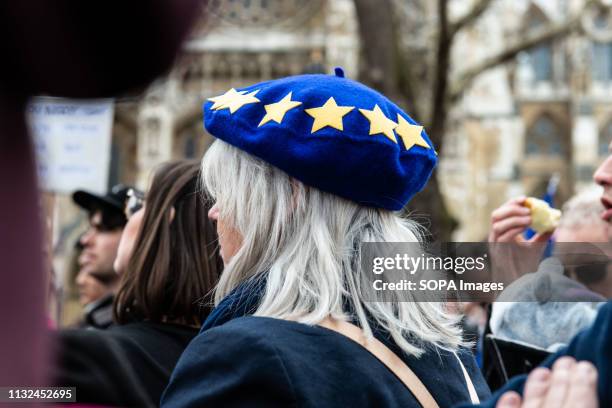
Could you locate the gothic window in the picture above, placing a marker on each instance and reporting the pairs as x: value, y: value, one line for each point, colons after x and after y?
x: 598, y: 26
x: 191, y: 73
x: 188, y: 142
x: 544, y: 138
x: 605, y: 137
x: 540, y: 57
x: 264, y: 13
x: 153, y: 139
x: 602, y: 61
x: 601, y: 21
x: 541, y: 62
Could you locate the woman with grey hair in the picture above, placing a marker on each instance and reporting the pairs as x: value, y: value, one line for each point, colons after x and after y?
x: 308, y: 169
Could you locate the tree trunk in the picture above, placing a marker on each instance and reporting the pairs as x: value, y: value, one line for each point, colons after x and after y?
x: 377, y: 67
x: 429, y: 210
x: 381, y: 68
x: 430, y: 200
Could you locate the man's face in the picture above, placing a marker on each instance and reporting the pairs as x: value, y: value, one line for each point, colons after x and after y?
x: 99, y: 246
x: 603, y: 177
x: 583, y: 233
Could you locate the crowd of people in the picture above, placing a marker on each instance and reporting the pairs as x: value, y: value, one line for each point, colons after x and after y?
x: 235, y: 281
x: 166, y: 261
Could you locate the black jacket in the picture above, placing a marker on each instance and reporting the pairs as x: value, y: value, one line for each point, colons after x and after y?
x: 593, y: 344
x: 265, y: 362
x: 98, y: 314
x: 127, y: 365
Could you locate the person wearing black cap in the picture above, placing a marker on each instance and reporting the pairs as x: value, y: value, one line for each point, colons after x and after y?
x: 96, y: 279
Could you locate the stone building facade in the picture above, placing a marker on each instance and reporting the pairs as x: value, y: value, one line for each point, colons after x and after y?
x: 237, y: 44
x: 549, y: 112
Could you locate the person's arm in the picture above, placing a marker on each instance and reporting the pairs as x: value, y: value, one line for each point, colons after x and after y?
x: 593, y: 345
x: 229, y: 368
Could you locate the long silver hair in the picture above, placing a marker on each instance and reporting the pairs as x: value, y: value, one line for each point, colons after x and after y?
x: 308, y: 244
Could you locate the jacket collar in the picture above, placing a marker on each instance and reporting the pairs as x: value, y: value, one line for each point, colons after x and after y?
x: 242, y: 301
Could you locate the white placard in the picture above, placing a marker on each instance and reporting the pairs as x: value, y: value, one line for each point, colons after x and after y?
x: 72, y: 141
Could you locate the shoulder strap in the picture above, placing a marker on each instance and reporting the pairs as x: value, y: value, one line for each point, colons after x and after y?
x: 468, y: 380
x: 387, y: 357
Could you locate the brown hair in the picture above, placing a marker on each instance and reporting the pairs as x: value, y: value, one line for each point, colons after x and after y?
x: 175, y: 262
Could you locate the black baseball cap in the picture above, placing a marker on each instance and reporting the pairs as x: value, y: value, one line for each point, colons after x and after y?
x: 111, y: 204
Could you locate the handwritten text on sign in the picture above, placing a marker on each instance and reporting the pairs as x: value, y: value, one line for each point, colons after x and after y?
x: 72, y: 141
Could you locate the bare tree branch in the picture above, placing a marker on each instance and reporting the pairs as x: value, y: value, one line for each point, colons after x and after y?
x: 480, y: 7
x: 440, y: 78
x: 543, y: 36
x: 406, y: 85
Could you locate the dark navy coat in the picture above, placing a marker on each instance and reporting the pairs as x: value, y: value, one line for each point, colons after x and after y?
x: 265, y: 362
x: 594, y: 345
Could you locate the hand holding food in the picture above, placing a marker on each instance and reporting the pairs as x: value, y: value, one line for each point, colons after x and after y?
x: 543, y: 217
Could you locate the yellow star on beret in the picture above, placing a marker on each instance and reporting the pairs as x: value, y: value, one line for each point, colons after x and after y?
x: 330, y: 114
x: 276, y: 111
x: 238, y: 100
x: 221, y: 100
x: 379, y: 123
x: 410, y: 134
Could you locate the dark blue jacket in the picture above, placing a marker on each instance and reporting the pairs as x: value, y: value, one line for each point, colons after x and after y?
x: 264, y: 362
x: 594, y: 345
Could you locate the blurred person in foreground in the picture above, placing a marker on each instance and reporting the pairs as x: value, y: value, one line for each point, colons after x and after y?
x: 569, y: 384
x: 306, y: 170
x: 548, y: 307
x: 168, y: 266
x: 96, y: 279
x: 593, y: 344
x: 50, y: 46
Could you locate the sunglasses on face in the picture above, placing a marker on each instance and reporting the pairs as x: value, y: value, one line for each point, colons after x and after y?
x: 109, y: 221
x: 133, y: 202
x: 590, y: 273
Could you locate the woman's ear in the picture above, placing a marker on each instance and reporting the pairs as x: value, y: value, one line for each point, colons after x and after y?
x: 172, y: 214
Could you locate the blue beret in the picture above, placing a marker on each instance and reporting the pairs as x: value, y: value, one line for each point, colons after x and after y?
x: 329, y: 132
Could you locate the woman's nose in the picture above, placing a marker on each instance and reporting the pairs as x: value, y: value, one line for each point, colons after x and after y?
x: 213, y: 213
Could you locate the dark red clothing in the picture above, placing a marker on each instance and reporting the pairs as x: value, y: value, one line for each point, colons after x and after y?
x: 68, y: 48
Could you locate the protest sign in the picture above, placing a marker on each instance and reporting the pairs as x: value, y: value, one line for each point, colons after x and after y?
x: 72, y: 142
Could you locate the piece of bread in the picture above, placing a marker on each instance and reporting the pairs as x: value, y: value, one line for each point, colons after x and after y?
x: 543, y: 217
